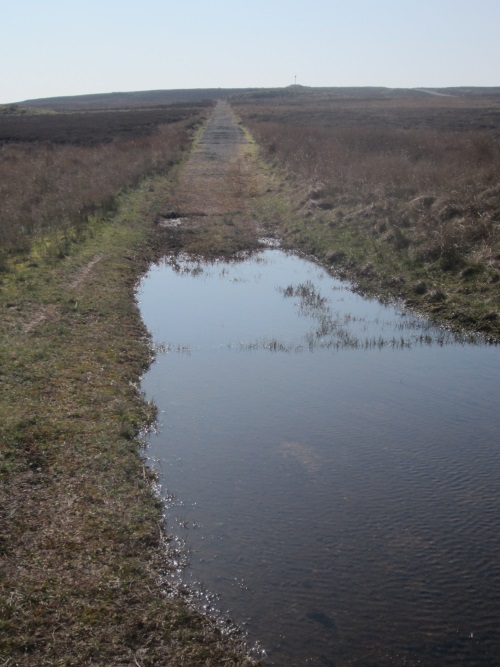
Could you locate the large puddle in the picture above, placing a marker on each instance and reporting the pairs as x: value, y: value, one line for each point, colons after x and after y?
x: 331, y: 463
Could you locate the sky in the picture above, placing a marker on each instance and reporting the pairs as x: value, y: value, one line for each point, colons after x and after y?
x: 64, y: 47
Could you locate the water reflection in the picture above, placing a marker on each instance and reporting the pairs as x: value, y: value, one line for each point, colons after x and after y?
x: 334, y: 463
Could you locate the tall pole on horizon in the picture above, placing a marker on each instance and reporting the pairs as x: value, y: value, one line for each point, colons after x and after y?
x: 295, y: 79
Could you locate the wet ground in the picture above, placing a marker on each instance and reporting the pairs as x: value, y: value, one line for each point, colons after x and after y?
x: 330, y: 463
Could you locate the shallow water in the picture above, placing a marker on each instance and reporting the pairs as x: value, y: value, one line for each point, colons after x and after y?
x: 331, y: 463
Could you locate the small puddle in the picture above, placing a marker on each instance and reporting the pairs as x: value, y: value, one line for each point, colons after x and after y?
x: 330, y: 463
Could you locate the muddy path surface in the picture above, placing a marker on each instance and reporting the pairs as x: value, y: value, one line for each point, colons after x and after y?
x: 215, y: 207
x: 213, y: 179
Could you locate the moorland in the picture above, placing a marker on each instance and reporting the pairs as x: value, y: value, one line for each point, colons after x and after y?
x: 57, y: 168
x: 86, y: 566
x: 397, y: 190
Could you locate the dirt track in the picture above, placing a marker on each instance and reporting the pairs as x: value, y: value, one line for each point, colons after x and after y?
x: 212, y: 182
x: 216, y: 208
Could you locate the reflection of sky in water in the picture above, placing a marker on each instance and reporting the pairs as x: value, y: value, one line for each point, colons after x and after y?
x: 247, y: 304
x: 353, y: 492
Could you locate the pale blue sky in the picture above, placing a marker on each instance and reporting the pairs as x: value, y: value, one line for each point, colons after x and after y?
x: 64, y: 47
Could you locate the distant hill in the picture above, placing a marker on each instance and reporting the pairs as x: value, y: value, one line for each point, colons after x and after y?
x: 296, y: 92
x: 159, y: 98
x: 468, y: 91
x: 142, y: 99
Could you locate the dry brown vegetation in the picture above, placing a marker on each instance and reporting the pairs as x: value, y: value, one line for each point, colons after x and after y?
x: 417, y: 174
x: 56, y: 170
x: 85, y: 564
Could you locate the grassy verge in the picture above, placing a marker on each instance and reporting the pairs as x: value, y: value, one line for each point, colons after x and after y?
x: 399, y: 195
x: 83, y: 553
